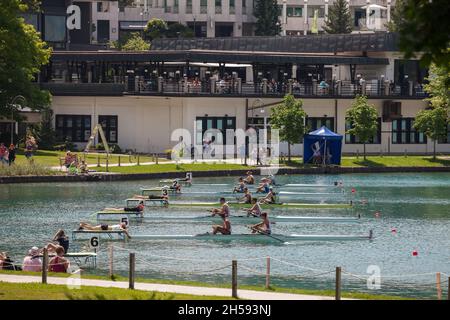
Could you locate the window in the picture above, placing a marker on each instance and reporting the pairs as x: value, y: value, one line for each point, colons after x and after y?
x: 221, y: 123
x: 352, y: 139
x: 109, y: 125
x: 447, y: 139
x: 218, y: 6
x: 294, y: 11
x: 55, y: 28
x: 403, y: 132
x: 175, y: 6
x: 203, y: 6
x: 244, y: 6
x: 232, y: 8
x: 316, y: 123
x: 188, y: 6
x: 76, y: 128
x: 320, y: 9
x: 99, y: 6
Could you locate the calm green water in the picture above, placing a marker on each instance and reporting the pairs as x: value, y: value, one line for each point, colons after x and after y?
x: 417, y: 205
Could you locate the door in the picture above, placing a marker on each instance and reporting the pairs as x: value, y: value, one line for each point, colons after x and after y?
x: 102, y: 31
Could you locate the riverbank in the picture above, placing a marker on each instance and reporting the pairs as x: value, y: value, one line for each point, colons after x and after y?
x: 170, y: 171
x: 164, y: 289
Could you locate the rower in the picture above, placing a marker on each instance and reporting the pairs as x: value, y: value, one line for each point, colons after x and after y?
x: 223, y: 211
x: 188, y: 178
x: 175, y: 186
x: 105, y: 227
x: 250, y: 179
x: 263, y: 226
x: 255, y: 210
x: 264, y: 186
x: 164, y: 196
x: 270, y: 198
x: 247, y: 198
x: 272, y: 180
x: 240, y: 187
x: 139, y: 208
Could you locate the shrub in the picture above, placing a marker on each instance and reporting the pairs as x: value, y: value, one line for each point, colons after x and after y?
x: 29, y: 169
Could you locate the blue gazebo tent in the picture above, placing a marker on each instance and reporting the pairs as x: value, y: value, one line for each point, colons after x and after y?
x: 322, y: 146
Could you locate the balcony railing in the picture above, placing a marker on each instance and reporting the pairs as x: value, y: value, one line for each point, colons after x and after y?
x: 235, y: 87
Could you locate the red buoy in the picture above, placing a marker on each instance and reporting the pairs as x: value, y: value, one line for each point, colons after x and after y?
x: 394, y: 230
x: 353, y: 190
x: 377, y: 214
x: 415, y: 253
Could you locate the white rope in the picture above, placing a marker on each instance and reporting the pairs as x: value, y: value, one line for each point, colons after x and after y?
x: 297, y: 265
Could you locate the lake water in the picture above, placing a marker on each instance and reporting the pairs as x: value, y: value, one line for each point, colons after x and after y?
x: 416, y: 205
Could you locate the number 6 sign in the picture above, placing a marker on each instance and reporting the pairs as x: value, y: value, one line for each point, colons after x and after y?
x: 94, y: 242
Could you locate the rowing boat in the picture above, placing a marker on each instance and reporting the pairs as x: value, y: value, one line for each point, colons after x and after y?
x: 264, y: 206
x: 156, y: 189
x: 169, y: 182
x: 234, y: 218
x: 254, y: 237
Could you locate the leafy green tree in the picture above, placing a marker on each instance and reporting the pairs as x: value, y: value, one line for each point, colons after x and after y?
x: 178, y: 30
x: 424, y: 27
x: 339, y: 18
x: 267, y: 13
x: 155, y: 28
x: 44, y: 132
x: 135, y: 43
x: 22, y: 55
x: 433, y: 123
x: 437, y: 86
x: 289, y: 117
x: 364, y: 120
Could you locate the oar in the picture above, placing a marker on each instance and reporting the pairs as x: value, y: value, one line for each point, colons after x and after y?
x: 266, y: 234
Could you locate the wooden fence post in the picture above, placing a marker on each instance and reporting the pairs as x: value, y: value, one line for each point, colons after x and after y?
x: 45, y: 266
x: 111, y: 261
x: 338, y: 283
x: 98, y: 160
x: 448, y: 289
x: 267, y: 272
x: 156, y: 158
x: 132, y: 269
x: 234, y: 279
x: 118, y: 162
x: 138, y: 161
x: 438, y: 285
x: 107, y: 164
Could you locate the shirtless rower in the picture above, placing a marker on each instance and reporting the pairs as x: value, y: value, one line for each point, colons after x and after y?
x: 246, y: 198
x: 255, y: 210
x: 264, y: 186
x: 270, y: 197
x: 240, y: 187
x: 139, y: 208
x: 176, y: 186
x: 105, y: 227
x: 263, y: 226
x: 223, y: 211
x: 250, y: 179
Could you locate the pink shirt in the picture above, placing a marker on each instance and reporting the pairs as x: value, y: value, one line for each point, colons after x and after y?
x: 34, y: 265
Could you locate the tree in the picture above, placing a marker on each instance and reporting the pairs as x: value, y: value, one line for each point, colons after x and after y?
x: 43, y: 131
x: 178, y: 30
x: 22, y: 55
x: 364, y: 120
x: 155, y: 29
x: 437, y: 87
x: 423, y: 26
x: 339, y: 19
x: 433, y: 123
x: 135, y: 43
x: 267, y: 13
x: 289, y: 117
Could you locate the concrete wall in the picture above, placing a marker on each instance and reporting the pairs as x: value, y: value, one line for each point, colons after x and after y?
x: 145, y: 123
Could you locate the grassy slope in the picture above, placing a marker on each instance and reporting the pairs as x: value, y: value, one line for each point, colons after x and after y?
x: 354, y: 295
x: 36, y: 291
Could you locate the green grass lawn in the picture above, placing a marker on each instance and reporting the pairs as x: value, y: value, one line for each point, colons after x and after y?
x: 386, y: 161
x: 51, y: 158
x: 353, y: 295
x: 37, y: 291
x: 176, y: 168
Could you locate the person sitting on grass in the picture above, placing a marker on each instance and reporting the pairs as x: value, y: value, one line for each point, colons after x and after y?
x: 59, y: 240
x: 6, y: 263
x: 83, y: 168
x: 58, y: 263
x: 105, y: 227
x: 32, y: 262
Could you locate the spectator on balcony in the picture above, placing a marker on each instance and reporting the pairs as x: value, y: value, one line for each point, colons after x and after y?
x: 323, y: 87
